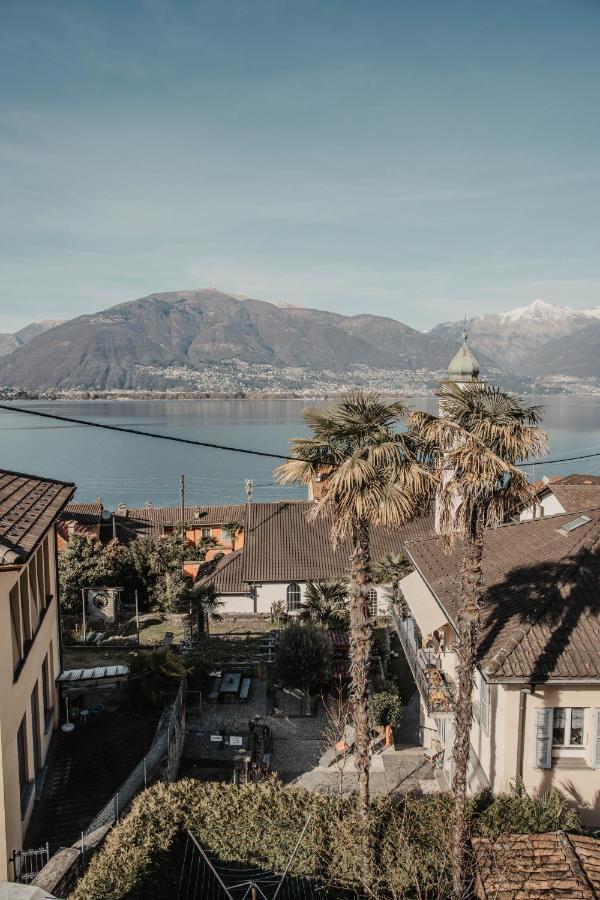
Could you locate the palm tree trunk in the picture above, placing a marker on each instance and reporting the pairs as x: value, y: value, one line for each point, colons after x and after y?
x: 468, y: 634
x: 360, y: 653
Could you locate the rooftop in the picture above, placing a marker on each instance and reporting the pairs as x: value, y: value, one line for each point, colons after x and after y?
x: 29, y: 505
x: 535, y: 866
x: 281, y: 545
x: 540, y: 606
x: 464, y: 366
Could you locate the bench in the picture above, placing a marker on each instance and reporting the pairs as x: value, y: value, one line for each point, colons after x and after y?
x: 245, y: 690
x: 214, y: 694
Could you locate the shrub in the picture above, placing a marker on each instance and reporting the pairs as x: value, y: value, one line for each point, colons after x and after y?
x: 386, y: 708
x: 303, y: 657
x: 258, y: 825
x: 518, y: 813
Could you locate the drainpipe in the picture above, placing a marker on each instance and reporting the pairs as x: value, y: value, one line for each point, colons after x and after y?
x: 521, y: 732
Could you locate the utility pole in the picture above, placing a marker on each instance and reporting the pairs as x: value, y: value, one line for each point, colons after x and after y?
x: 137, y: 617
x: 83, y: 612
x: 249, y: 489
x: 182, y: 497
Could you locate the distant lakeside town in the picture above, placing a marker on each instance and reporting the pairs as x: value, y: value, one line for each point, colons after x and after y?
x: 252, y: 382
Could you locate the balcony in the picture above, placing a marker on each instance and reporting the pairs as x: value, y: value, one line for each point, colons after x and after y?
x: 432, y: 681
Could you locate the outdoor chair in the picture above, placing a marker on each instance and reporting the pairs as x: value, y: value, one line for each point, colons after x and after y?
x: 168, y: 639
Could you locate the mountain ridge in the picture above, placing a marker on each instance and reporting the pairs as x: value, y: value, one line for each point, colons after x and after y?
x: 205, y: 338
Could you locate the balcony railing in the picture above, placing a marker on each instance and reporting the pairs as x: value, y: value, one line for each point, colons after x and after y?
x: 426, y: 667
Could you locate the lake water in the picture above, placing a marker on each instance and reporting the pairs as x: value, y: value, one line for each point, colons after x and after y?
x: 120, y: 467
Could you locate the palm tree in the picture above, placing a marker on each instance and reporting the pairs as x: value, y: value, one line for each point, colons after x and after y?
x: 324, y: 602
x: 374, y: 478
x: 474, y: 448
x: 391, y: 570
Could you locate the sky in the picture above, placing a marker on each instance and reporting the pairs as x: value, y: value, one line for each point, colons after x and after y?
x: 420, y: 160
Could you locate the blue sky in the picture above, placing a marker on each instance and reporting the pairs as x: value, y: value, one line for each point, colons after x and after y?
x: 418, y: 160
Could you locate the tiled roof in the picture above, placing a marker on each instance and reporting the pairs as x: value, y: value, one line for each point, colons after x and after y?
x: 146, y: 521
x: 28, y: 507
x: 538, y: 867
x: 540, y: 606
x: 225, y: 574
x: 574, y: 497
x: 82, y: 511
x: 282, y: 545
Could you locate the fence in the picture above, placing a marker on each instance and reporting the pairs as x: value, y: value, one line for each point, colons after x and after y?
x: 27, y: 863
x: 161, y: 761
x: 166, y: 750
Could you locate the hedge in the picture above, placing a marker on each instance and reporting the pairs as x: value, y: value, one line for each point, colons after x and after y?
x: 259, y: 825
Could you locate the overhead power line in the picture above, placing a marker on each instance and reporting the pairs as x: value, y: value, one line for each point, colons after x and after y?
x: 123, y: 430
x: 180, y: 440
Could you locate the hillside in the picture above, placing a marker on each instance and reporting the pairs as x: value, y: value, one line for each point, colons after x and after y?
x: 12, y: 341
x: 159, y: 340
x: 509, y: 338
x: 576, y: 356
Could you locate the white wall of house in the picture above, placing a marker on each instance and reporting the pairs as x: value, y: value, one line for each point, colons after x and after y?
x: 505, y: 741
x: 547, y: 505
x: 271, y: 592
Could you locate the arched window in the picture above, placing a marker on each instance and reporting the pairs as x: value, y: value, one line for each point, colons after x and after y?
x: 294, y: 597
x: 372, y: 602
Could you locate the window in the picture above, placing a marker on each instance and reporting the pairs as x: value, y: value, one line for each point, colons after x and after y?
x: 567, y: 726
x: 205, y: 532
x: 294, y: 597
x: 226, y: 535
x: 15, y: 625
x: 22, y: 760
x: 372, y: 602
x: 35, y: 729
x: 572, y: 526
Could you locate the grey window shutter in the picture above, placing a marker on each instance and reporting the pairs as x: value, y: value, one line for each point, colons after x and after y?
x: 543, y: 738
x: 484, y: 696
x: 596, y: 739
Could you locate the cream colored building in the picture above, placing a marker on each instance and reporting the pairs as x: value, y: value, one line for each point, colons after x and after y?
x: 537, y: 686
x: 29, y: 646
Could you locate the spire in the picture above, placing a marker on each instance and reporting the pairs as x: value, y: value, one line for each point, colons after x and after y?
x: 464, y: 366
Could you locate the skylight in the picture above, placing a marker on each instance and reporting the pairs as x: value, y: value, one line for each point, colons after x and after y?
x: 576, y: 523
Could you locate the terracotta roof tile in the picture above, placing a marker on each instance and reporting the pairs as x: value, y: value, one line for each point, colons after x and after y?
x: 28, y: 507
x: 281, y: 545
x: 534, y: 866
x: 540, y: 604
x: 575, y: 497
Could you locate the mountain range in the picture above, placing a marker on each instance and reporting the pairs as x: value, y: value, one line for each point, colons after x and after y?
x: 209, y: 340
x: 10, y: 341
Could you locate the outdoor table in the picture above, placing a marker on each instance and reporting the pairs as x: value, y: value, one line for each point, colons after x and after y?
x: 84, y: 716
x: 230, y: 686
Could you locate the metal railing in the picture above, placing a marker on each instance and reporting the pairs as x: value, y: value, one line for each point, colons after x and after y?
x: 421, y: 661
x: 27, y: 863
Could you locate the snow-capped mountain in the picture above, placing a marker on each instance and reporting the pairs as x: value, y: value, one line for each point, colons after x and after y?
x: 510, y: 338
x: 542, y: 311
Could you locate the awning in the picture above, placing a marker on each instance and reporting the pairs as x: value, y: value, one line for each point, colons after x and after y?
x: 100, y: 673
x: 423, y: 605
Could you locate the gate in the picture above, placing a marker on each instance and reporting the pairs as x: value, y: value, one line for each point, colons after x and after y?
x: 27, y: 863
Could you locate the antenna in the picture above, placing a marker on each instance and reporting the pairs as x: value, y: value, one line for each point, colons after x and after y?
x: 182, y: 497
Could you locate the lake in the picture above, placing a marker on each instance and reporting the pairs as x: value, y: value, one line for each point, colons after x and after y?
x: 124, y: 468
